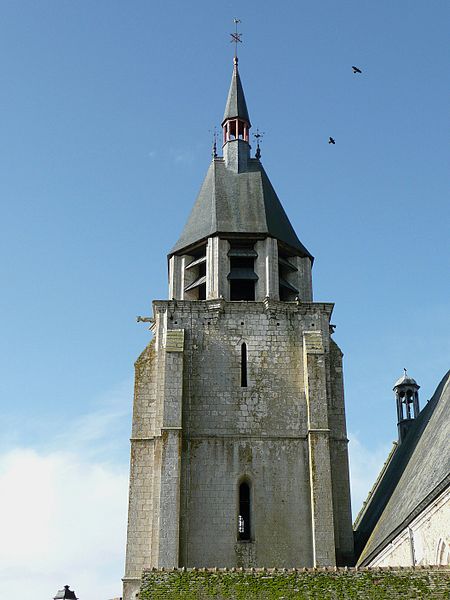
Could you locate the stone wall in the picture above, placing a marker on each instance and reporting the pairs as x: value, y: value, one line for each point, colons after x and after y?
x: 297, y: 584
x: 198, y: 433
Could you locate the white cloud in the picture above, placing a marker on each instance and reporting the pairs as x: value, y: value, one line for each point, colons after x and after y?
x: 63, y: 505
x: 365, y: 465
x: 62, y: 520
x: 102, y: 433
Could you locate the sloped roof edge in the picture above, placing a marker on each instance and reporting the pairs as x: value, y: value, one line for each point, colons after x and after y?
x: 435, y: 493
x: 408, y: 481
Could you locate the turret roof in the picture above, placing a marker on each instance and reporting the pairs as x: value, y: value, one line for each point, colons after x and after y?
x: 236, y: 106
x: 405, y: 380
x: 245, y: 203
x: 237, y: 203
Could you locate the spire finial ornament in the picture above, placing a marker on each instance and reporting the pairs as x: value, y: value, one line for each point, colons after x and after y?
x: 405, y: 371
x: 214, y: 145
x: 257, y: 136
x: 236, y: 39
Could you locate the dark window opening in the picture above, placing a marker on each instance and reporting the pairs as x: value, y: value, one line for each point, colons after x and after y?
x: 244, y: 365
x: 202, y: 269
x: 286, y: 295
x: 202, y: 291
x: 242, y: 276
x: 195, y: 273
x: 202, y: 288
x: 242, y: 262
x: 242, y: 289
x: 244, y: 512
x: 287, y: 274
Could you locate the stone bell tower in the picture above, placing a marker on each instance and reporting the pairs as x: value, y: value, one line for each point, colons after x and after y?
x: 239, y: 447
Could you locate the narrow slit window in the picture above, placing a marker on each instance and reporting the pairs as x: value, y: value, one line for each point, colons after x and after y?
x: 244, y: 512
x: 244, y: 365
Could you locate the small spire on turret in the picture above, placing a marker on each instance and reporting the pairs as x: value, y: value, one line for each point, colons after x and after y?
x: 258, y: 136
x: 214, y: 144
x: 236, y: 122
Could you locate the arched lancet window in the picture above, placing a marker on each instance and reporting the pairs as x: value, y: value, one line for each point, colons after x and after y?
x: 244, y: 511
x: 244, y: 365
x: 443, y: 553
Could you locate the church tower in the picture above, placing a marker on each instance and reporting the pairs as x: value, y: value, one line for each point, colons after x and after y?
x: 239, y: 446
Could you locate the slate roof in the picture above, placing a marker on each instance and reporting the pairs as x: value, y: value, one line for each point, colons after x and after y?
x: 236, y: 105
x: 405, y: 380
x: 418, y: 472
x: 231, y: 202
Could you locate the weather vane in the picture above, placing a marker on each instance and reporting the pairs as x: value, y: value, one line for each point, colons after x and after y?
x: 236, y: 37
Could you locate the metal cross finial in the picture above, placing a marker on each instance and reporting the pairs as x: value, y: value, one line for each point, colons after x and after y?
x: 236, y: 37
x: 214, y: 148
x: 404, y: 370
x: 214, y: 142
x: 257, y: 136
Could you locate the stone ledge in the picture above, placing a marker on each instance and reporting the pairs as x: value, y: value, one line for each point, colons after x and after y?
x: 402, y: 570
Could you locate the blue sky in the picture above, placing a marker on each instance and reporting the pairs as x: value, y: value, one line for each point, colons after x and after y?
x: 107, y: 109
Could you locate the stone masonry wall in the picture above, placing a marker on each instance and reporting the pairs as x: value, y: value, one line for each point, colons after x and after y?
x: 258, y: 432
x: 297, y: 584
x: 198, y: 433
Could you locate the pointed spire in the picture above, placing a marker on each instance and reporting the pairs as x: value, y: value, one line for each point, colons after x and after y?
x: 214, y: 144
x: 257, y: 136
x: 236, y: 107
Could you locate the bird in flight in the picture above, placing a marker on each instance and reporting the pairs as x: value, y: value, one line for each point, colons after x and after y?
x: 331, y: 140
x: 356, y: 70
